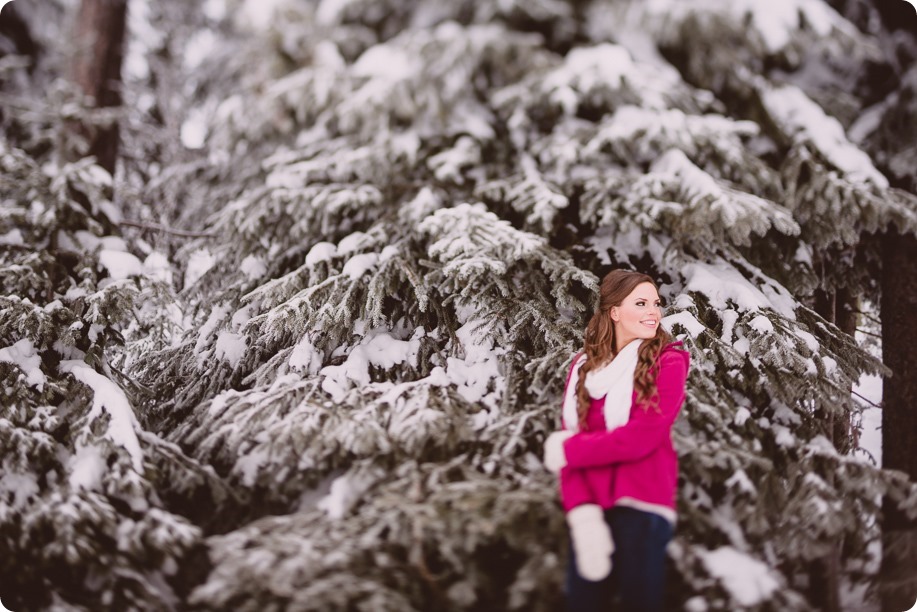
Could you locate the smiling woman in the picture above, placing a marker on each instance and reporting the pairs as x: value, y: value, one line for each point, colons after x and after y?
x: 618, y: 469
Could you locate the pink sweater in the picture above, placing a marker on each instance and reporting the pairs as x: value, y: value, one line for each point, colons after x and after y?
x: 636, y: 463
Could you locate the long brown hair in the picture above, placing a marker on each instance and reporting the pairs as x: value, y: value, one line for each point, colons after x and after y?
x: 599, y: 342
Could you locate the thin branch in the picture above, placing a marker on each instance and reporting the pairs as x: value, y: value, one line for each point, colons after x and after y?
x: 868, y: 315
x: 168, y: 230
x: 870, y: 402
x: 866, y: 333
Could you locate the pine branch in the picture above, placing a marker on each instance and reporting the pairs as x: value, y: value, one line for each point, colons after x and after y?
x: 168, y: 230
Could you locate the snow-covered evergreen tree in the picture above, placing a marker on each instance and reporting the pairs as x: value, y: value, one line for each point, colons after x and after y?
x: 327, y: 386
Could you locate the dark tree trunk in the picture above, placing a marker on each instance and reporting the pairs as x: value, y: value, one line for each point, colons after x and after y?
x: 899, y: 415
x: 15, y: 29
x: 100, y: 29
x: 839, y: 307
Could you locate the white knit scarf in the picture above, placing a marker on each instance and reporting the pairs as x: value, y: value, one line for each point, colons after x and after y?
x: 614, y: 381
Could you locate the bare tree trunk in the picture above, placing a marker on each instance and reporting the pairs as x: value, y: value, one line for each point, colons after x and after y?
x: 839, y: 307
x: 16, y: 30
x: 96, y: 69
x: 899, y: 415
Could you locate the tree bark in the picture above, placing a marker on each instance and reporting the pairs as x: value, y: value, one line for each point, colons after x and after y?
x: 96, y: 69
x: 899, y: 416
x: 14, y: 28
x: 838, y: 306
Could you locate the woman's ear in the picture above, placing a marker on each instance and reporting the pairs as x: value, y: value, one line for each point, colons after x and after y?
x: 614, y: 313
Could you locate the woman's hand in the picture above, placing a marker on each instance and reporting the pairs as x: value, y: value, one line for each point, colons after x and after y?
x: 554, y: 456
x: 591, y: 539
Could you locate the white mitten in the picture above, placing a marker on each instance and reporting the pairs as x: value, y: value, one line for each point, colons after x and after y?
x: 592, y: 543
x: 554, y: 457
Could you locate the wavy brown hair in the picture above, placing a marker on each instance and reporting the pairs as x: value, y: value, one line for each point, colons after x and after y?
x: 599, y: 341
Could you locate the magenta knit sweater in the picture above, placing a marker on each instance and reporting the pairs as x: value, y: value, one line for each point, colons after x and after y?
x: 636, y: 460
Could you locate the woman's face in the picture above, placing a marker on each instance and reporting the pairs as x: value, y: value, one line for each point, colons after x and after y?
x: 637, y: 316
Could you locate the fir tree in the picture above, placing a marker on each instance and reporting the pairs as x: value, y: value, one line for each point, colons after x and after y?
x: 327, y: 385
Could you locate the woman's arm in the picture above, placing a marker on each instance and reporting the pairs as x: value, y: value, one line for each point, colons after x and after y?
x: 574, y: 488
x: 645, y: 430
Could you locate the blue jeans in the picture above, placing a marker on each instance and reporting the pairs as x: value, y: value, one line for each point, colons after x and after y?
x: 637, y: 579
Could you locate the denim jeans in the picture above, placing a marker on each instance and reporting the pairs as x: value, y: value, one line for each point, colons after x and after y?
x: 637, y: 579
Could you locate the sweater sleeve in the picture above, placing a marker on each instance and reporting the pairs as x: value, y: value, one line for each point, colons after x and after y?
x: 645, y: 430
x: 574, y: 488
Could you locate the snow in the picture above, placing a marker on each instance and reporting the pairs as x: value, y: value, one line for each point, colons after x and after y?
x: 86, y: 468
x: 740, y: 480
x: 762, y: 325
x: 803, y: 254
x: 199, y: 263
x: 23, y: 355
x: 729, y: 318
x: 774, y: 21
x: 694, y: 181
x: 741, y: 415
x: 722, y: 283
x: 696, y: 604
x: 214, y: 9
x: 388, y: 252
x: 230, y: 347
x: 783, y: 436
x: 784, y: 414
x: 790, y: 107
x: 107, y: 396
x: 16, y: 487
x: 472, y: 376
x: 253, y: 267
x: 353, y: 242
x: 88, y: 240
x: 218, y: 404
x: 305, y: 357
x: 748, y: 580
x: 320, y: 251
x: 258, y: 15
x: 329, y: 11
x: 448, y: 165
x: 777, y: 22
x: 820, y: 445
x: 686, y: 319
x: 216, y: 316
x: 358, y: 265
x: 120, y: 265
x: 380, y: 349
x: 193, y: 132
x: 12, y: 237
x: 629, y: 123
x: 199, y: 46
x: 143, y: 37
x: 248, y: 465
x: 347, y: 490
x: 387, y: 62
x: 608, y: 65
x: 422, y: 205
x: 156, y: 265
x: 810, y: 340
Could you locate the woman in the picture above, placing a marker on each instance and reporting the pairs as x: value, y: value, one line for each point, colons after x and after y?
x: 618, y: 468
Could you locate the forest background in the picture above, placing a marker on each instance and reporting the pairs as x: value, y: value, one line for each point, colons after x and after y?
x: 289, y: 289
